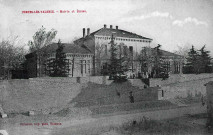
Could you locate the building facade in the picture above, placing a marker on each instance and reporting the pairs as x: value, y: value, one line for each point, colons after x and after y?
x: 79, y: 61
x: 90, y: 55
x: 173, y: 62
x: 127, y: 42
x: 99, y: 43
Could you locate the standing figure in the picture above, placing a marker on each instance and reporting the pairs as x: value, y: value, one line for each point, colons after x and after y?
x: 131, y: 98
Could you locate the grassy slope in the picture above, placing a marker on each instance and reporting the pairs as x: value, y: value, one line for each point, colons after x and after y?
x: 178, y: 126
x: 103, y: 99
x: 187, y: 125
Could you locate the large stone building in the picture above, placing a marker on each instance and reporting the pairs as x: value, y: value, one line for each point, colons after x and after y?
x: 173, y: 62
x: 98, y: 43
x: 91, y: 53
x: 79, y: 61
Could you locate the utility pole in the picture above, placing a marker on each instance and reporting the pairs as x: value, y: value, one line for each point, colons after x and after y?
x: 73, y: 66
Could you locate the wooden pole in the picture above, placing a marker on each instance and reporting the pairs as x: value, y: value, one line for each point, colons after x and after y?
x: 73, y: 66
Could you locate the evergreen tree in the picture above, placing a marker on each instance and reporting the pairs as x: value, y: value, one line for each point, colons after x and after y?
x: 114, y: 61
x: 145, y: 59
x: 124, y: 58
x: 158, y: 61
x: 205, y: 59
x: 193, y: 61
x: 124, y: 64
x: 60, y: 68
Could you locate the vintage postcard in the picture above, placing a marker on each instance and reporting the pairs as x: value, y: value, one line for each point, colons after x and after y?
x: 106, y: 67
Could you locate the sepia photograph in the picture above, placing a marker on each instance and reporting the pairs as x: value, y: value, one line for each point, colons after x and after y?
x: 106, y: 67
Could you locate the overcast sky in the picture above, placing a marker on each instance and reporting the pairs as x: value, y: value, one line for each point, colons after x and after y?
x: 168, y: 22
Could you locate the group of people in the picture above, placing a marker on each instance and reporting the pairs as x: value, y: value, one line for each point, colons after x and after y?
x: 142, y: 75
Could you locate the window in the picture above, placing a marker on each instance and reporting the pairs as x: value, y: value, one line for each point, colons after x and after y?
x: 167, y: 64
x: 82, y: 67
x: 177, y: 66
x: 125, y: 51
x: 106, y: 49
x: 131, y: 49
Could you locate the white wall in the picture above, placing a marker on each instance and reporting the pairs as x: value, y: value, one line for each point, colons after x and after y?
x: 137, y: 45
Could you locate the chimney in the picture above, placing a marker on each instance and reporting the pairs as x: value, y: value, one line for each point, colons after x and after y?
x: 110, y: 26
x: 88, y: 31
x: 116, y: 27
x: 105, y: 25
x: 83, y: 32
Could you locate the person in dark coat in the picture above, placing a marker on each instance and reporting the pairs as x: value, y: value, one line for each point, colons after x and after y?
x: 131, y: 98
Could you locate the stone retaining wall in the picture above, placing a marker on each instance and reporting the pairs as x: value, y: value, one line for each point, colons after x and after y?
x: 177, y: 78
x: 94, y: 79
x: 186, y: 89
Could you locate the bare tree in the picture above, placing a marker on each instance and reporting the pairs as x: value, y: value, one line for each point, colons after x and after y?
x: 183, y: 50
x: 11, y: 55
x: 41, y: 39
x: 146, y: 59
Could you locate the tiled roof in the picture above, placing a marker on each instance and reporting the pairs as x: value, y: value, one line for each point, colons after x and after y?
x: 68, y: 48
x: 117, y: 33
x: 89, y: 40
x: 166, y: 53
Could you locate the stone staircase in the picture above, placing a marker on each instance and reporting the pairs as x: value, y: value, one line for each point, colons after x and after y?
x: 177, y: 102
x: 137, y: 83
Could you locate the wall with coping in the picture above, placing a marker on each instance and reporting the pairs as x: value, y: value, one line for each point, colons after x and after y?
x: 186, y: 89
x: 182, y: 85
x: 177, y: 78
x: 94, y: 79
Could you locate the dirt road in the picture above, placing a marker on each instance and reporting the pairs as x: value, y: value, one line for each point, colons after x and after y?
x: 91, y: 125
x: 94, y: 124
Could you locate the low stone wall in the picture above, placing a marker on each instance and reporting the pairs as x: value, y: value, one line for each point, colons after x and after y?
x: 182, y: 85
x: 177, y: 78
x: 186, y: 89
x: 94, y: 79
x: 54, y: 79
